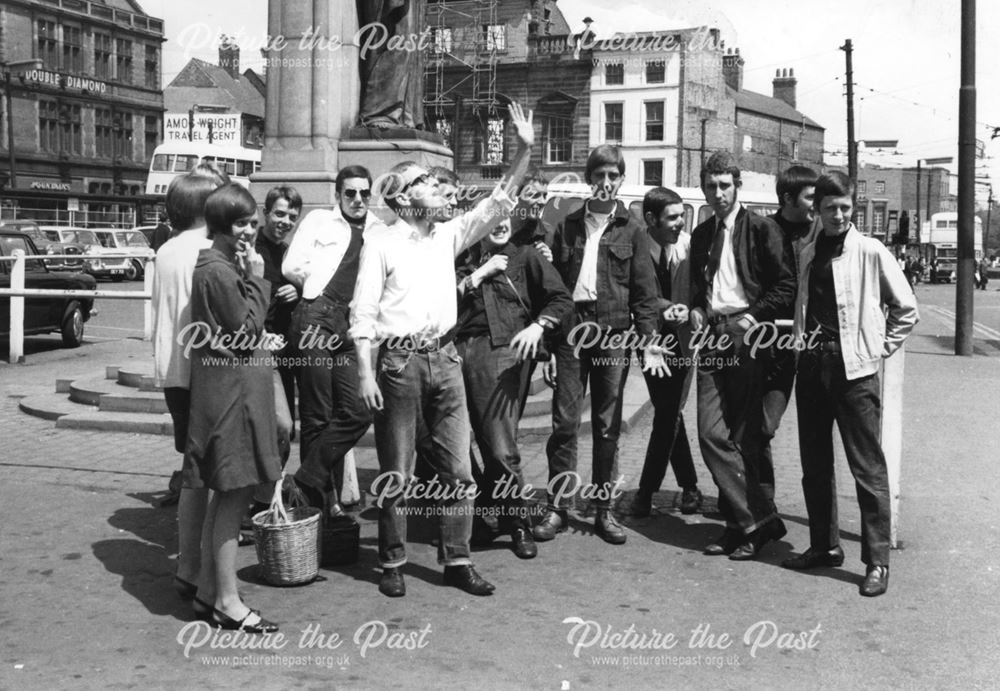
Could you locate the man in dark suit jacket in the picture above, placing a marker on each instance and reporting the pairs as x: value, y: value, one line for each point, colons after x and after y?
x: 602, y: 255
x: 742, y: 275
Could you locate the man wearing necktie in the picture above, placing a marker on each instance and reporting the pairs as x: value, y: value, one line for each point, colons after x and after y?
x: 741, y: 275
x: 663, y: 211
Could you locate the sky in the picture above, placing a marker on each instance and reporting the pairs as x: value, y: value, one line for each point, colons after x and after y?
x: 906, y: 57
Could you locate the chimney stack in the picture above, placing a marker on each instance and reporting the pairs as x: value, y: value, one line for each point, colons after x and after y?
x: 732, y: 69
x: 784, y: 86
x: 229, y: 57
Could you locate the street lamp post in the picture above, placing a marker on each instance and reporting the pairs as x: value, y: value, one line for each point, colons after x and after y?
x: 8, y: 68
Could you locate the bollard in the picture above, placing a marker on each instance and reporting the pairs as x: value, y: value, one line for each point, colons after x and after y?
x: 17, y: 309
x: 147, y: 308
x: 892, y: 432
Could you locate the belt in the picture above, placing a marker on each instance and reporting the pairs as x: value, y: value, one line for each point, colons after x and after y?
x: 418, y: 344
x: 723, y: 318
x: 829, y: 347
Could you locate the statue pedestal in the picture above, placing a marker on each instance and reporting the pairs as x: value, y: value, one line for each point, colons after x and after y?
x: 312, y: 171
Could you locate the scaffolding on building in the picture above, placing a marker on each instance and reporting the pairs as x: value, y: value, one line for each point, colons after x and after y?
x: 464, y: 33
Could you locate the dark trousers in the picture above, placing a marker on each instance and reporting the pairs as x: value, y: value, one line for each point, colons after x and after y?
x: 824, y: 395
x: 668, y: 442
x: 332, y: 416
x: 730, y: 414
x: 428, y: 387
x: 496, y: 386
x: 607, y: 371
x: 778, y: 383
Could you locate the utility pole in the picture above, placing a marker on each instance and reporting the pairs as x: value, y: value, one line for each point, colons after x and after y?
x: 966, y: 183
x: 852, y: 146
x: 919, y: 161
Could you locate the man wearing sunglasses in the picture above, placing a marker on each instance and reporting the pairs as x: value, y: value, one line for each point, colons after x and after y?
x: 405, y: 301
x: 322, y: 262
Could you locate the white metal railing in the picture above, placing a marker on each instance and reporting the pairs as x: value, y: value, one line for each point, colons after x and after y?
x: 17, y: 293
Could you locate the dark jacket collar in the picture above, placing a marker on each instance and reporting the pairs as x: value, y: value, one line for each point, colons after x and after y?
x: 619, y: 216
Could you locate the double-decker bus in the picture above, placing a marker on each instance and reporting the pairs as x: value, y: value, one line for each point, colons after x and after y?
x: 177, y: 158
x: 939, y: 245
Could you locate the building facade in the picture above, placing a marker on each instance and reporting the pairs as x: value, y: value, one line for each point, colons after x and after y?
x: 884, y: 194
x: 84, y: 102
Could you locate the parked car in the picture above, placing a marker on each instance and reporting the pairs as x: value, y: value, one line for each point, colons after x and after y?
x: 147, y: 232
x: 130, y: 242
x: 48, y: 243
x: 42, y: 315
x: 98, y: 261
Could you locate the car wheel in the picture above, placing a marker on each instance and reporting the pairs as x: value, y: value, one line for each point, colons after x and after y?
x: 134, y: 270
x: 72, y: 326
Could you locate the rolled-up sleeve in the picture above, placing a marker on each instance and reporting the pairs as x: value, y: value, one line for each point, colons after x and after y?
x: 476, y: 223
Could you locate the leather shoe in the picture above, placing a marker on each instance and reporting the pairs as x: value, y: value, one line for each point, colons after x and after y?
x: 814, y: 558
x: 726, y: 543
x: 392, y: 584
x: 691, y: 500
x: 553, y: 523
x: 772, y: 530
x: 876, y: 582
x: 523, y: 543
x: 465, y: 578
x: 642, y: 504
x: 608, y: 528
x: 251, y: 623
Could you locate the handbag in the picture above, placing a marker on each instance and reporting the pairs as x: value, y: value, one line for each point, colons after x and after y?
x: 542, y: 353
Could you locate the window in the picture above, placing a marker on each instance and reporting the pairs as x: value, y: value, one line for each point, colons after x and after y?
x: 859, y: 219
x: 102, y: 56
x: 48, y: 126
x: 152, y: 67
x: 862, y: 188
x: 652, y: 173
x: 244, y: 168
x: 747, y: 142
x: 613, y: 122
x: 152, y: 133
x: 102, y: 132
x: 656, y: 72
x: 495, y: 36
x: 880, y: 187
x: 121, y: 128
x: 558, y: 139
x: 445, y: 127
x: 493, y: 145
x: 614, y: 73
x: 123, y: 60
x: 795, y: 150
x: 48, y: 44
x: 441, y: 38
x: 654, y: 121
x: 69, y: 117
x: 72, y: 49
x: 878, y: 219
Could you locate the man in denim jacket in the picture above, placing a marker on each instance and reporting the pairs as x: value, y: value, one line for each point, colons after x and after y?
x: 602, y: 255
x: 854, y: 307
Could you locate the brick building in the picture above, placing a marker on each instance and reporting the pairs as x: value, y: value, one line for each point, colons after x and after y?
x: 885, y: 193
x: 84, y: 102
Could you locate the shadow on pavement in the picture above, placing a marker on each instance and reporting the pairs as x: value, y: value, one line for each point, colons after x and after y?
x: 146, y: 573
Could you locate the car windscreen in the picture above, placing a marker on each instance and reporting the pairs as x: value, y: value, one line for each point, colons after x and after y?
x: 9, y: 243
x: 131, y: 239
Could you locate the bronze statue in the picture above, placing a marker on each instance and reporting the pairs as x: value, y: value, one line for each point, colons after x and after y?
x: 391, y: 63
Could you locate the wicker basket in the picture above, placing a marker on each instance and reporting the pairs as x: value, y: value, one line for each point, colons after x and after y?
x: 287, y: 540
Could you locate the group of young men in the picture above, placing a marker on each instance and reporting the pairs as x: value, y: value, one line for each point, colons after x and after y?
x: 458, y: 308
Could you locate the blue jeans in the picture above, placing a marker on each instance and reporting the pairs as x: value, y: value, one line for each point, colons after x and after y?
x: 423, y: 386
x: 730, y: 421
x: 668, y: 442
x: 607, y: 371
x: 822, y: 395
x: 496, y: 386
x: 778, y: 383
x: 332, y: 415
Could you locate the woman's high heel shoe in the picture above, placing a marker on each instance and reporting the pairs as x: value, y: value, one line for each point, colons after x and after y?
x: 251, y: 623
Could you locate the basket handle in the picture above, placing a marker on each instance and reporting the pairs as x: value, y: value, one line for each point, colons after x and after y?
x: 277, y: 508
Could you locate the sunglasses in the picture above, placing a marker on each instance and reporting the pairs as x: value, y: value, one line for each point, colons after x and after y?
x: 365, y: 194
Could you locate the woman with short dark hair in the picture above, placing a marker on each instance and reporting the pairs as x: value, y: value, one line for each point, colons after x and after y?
x: 232, y: 440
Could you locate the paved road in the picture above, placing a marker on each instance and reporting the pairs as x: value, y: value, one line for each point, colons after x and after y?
x: 87, y: 558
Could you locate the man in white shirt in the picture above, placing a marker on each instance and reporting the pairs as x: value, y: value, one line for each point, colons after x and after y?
x: 405, y: 300
x: 742, y: 273
x: 322, y: 262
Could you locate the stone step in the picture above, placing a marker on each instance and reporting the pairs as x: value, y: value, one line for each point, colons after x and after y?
x: 89, y: 391
x: 137, y: 423
x: 133, y: 376
x: 50, y: 406
x: 134, y: 402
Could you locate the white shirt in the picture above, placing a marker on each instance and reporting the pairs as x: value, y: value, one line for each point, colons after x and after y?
x: 406, y: 282
x: 728, y: 296
x: 172, y: 277
x: 318, y: 247
x: 585, y: 289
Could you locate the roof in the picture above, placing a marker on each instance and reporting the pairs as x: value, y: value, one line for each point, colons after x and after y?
x: 770, y: 106
x: 558, y: 26
x: 201, y: 82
